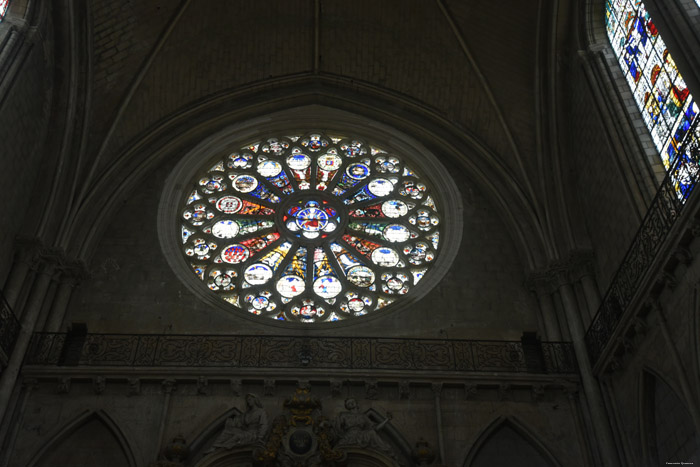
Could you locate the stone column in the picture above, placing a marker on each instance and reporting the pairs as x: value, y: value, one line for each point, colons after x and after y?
x: 168, y: 388
x: 16, y: 417
x: 25, y: 257
x: 28, y: 321
x: 69, y: 280
x: 599, y: 416
x: 437, y: 391
x: 583, y: 272
x: 540, y: 286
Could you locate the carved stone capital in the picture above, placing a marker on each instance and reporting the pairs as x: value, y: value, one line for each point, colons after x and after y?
x: 133, y: 387
x: 404, y: 390
x: 236, y: 387
x: 336, y: 387
x: 63, y: 386
x: 168, y: 386
x: 503, y: 391
x: 202, y: 386
x: 538, y: 391
x: 371, y: 390
x: 470, y: 391
x: 437, y: 389
x: 269, y: 387
x: 99, y: 384
x: 566, y: 271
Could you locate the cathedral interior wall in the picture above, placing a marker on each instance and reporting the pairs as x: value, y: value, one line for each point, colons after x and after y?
x: 133, y: 289
x: 24, y: 111
x: 55, y: 412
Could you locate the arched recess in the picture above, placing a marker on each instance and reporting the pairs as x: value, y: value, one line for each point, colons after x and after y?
x: 189, y: 126
x: 667, y: 429
x: 506, y: 441
x: 92, y: 438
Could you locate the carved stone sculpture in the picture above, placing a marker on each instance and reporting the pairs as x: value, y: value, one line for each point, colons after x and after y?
x: 354, y: 428
x: 244, y: 429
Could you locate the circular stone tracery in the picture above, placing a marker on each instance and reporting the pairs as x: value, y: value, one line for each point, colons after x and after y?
x: 310, y: 227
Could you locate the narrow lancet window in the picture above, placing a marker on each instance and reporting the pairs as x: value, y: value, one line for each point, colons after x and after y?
x: 669, y: 110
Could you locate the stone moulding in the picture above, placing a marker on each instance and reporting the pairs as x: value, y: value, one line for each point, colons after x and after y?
x: 340, y: 353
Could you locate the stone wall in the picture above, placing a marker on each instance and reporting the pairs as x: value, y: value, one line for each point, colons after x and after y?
x: 126, y: 419
x: 133, y: 289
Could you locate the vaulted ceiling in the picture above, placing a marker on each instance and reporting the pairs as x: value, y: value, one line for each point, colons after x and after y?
x: 484, y: 69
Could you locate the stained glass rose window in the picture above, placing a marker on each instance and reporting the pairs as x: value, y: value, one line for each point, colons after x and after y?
x: 310, y: 227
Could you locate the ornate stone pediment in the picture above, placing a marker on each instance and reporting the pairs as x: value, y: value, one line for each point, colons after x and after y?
x: 302, y: 437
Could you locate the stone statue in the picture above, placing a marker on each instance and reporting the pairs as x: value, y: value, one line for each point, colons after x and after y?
x: 356, y: 429
x: 245, y: 428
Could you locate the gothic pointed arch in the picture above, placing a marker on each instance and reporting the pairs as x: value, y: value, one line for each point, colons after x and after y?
x: 91, y: 435
x: 667, y: 429
x: 506, y: 441
x: 180, y: 131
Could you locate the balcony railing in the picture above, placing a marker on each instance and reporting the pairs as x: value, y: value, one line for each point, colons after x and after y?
x: 217, y: 351
x: 663, y: 213
x: 9, y: 328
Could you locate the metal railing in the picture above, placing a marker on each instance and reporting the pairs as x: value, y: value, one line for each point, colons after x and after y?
x: 663, y: 213
x: 212, y: 351
x: 9, y: 327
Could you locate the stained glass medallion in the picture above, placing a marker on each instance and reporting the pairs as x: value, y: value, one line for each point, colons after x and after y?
x: 310, y: 227
x: 669, y: 110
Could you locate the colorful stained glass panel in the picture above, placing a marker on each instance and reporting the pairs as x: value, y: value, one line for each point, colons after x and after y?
x: 310, y: 228
x: 667, y: 107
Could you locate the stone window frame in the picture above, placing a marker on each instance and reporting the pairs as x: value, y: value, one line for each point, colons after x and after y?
x: 623, y: 117
x: 304, y: 119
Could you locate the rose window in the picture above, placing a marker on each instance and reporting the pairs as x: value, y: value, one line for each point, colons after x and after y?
x: 310, y: 228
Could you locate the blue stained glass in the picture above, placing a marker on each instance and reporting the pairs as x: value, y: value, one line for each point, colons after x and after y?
x: 353, y: 175
x: 668, y: 109
x: 263, y: 193
x: 275, y: 174
x: 345, y: 259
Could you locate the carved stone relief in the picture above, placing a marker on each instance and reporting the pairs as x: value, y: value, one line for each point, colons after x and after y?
x: 300, y: 436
